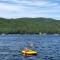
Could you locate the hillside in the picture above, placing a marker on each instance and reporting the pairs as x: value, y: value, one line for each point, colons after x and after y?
x: 29, y: 25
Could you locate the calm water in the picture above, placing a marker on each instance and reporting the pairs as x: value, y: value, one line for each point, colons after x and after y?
x: 48, y: 47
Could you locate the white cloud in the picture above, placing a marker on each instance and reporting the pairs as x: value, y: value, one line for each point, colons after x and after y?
x: 31, y: 8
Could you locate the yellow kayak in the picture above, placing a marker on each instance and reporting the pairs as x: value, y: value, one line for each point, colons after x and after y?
x: 29, y: 53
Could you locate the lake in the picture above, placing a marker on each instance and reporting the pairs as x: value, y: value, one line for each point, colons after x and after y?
x: 11, y: 46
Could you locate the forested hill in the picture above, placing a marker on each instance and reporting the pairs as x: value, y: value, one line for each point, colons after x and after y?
x: 29, y: 25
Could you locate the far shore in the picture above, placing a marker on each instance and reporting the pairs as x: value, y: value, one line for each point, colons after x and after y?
x: 31, y: 33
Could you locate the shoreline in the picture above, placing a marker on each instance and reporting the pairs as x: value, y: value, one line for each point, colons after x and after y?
x: 31, y: 33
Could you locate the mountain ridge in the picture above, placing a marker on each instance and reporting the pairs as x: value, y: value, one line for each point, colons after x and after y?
x: 29, y: 25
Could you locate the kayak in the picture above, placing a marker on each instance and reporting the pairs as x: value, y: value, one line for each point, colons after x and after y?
x: 29, y: 53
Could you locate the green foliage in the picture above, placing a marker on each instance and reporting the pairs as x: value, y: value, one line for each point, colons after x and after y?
x: 29, y: 25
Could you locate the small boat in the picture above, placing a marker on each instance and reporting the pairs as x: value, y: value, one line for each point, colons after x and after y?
x: 29, y: 53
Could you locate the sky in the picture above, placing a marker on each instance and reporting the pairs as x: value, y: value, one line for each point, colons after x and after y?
x: 30, y: 8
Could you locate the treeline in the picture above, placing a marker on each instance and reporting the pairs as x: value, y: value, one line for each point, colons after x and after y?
x: 29, y: 26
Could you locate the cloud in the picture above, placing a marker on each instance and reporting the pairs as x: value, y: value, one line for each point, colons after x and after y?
x: 29, y: 8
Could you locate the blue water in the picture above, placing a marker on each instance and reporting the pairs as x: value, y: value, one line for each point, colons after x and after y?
x: 48, y: 47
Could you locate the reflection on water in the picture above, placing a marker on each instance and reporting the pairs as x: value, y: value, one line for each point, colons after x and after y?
x: 48, y: 47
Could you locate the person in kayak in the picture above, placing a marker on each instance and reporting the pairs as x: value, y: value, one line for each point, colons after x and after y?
x: 26, y: 49
x: 28, y: 52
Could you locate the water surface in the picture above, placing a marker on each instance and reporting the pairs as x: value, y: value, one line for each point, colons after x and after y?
x: 11, y: 46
